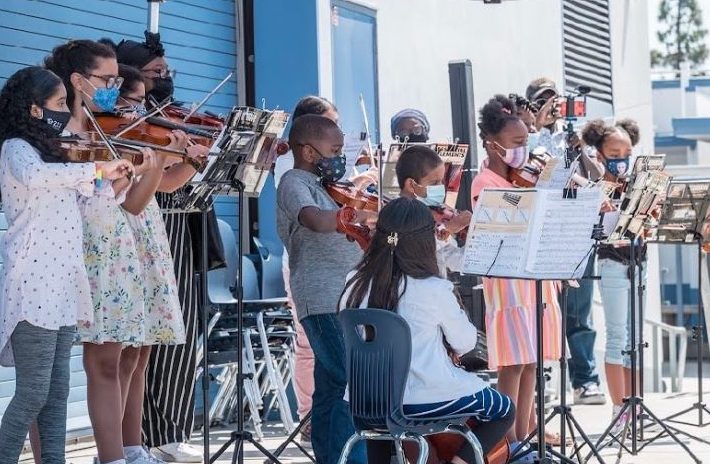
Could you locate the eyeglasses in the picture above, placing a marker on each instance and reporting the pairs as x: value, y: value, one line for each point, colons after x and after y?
x: 161, y: 72
x: 110, y: 81
x: 132, y: 100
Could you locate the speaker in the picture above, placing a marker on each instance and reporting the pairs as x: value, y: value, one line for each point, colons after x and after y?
x: 463, y: 119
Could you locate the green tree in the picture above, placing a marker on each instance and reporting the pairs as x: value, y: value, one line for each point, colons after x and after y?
x: 681, y: 34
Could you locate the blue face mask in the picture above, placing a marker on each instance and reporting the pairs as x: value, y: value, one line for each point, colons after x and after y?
x: 435, y: 195
x: 617, y: 167
x: 105, y: 98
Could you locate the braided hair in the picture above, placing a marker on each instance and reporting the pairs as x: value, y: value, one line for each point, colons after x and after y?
x: 76, y: 56
x: 28, y: 86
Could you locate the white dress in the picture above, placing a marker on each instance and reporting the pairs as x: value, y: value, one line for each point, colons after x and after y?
x: 163, y: 314
x: 43, y: 279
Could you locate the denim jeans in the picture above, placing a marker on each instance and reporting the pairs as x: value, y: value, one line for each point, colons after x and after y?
x: 614, y: 287
x: 331, y: 422
x: 580, y: 333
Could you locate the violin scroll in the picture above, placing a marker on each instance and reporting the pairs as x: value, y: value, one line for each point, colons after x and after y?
x: 354, y: 232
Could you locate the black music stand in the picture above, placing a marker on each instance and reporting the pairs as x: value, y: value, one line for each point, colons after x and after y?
x: 636, y: 216
x: 482, y: 257
x: 681, y: 222
x: 246, y: 151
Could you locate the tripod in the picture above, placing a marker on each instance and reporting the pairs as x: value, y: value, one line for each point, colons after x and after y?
x: 635, y: 352
x: 567, y: 418
x: 239, y: 436
x: 699, y: 336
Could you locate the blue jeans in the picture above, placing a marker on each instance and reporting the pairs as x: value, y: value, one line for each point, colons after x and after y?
x: 331, y: 422
x: 580, y: 333
x: 614, y: 287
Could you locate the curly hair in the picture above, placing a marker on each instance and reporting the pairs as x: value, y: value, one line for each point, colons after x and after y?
x: 28, y: 86
x: 76, y: 56
x: 595, y: 132
x: 496, y: 114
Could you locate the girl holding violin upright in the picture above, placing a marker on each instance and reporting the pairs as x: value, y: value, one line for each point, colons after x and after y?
x: 510, y: 303
x: 90, y: 72
x: 41, y: 188
x: 420, y: 174
x: 169, y: 406
x: 613, y: 144
x: 399, y: 272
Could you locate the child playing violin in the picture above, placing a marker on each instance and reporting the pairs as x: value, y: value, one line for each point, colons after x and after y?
x: 399, y: 272
x: 319, y: 259
x: 510, y: 303
x: 420, y: 174
x: 40, y: 192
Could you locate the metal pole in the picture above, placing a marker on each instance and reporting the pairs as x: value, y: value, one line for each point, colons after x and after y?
x: 153, y: 15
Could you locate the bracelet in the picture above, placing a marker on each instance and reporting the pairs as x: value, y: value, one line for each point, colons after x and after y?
x: 99, y: 177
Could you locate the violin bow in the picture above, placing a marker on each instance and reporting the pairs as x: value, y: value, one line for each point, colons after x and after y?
x: 194, y: 108
x: 139, y: 121
x: 369, y: 152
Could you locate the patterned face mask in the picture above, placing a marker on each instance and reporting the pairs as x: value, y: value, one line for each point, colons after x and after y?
x: 331, y: 169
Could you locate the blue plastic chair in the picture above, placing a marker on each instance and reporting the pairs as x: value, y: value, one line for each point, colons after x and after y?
x: 377, y: 369
x: 272, y: 282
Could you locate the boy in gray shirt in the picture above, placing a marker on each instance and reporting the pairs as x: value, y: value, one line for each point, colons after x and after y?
x: 319, y: 260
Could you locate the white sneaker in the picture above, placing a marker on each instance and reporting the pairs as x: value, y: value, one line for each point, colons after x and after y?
x: 145, y: 458
x: 589, y: 394
x: 621, y: 422
x: 180, y: 452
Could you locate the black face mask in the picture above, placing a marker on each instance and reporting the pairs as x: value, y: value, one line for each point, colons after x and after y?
x: 57, y: 120
x: 414, y: 138
x: 162, y: 88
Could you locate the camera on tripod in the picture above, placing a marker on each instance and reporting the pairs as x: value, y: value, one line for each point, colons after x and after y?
x: 574, y: 104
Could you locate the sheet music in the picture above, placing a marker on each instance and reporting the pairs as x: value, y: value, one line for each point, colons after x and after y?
x: 499, y: 234
x: 555, y: 175
x: 531, y: 233
x: 564, y: 235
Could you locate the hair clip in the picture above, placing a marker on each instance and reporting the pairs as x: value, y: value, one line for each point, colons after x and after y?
x: 392, y: 239
x: 505, y: 110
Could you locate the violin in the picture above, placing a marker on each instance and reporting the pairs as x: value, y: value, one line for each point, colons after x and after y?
x: 203, y: 120
x: 86, y: 151
x: 528, y: 175
x: 152, y: 130
x: 348, y: 195
x: 95, y: 149
x: 442, y: 214
x: 444, y: 446
x: 352, y: 200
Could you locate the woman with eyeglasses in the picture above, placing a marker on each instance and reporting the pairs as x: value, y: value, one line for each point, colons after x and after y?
x: 90, y: 72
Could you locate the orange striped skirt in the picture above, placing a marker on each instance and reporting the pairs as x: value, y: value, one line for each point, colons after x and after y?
x: 510, y: 322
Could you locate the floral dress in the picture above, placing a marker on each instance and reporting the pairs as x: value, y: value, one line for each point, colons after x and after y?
x: 163, y: 315
x: 114, y: 269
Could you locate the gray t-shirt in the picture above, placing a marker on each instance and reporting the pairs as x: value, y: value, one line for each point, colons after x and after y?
x: 318, y: 262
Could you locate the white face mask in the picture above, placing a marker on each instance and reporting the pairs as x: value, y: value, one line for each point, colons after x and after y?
x: 514, y: 157
x: 435, y: 195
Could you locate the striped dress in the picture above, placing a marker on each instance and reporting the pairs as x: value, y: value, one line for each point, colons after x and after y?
x: 511, y: 307
x: 169, y: 404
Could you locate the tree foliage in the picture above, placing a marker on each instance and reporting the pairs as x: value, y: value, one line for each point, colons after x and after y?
x: 681, y: 33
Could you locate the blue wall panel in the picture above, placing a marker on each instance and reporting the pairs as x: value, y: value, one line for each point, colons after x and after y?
x: 286, y: 70
x: 200, y: 39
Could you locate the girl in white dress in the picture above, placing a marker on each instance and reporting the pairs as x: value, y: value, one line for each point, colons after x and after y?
x: 44, y: 286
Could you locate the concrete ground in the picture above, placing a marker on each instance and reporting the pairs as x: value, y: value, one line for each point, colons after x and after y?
x: 594, y: 420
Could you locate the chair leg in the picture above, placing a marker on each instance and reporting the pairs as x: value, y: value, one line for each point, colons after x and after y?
x: 423, y: 449
x: 399, y: 450
x: 354, y: 438
x: 472, y: 440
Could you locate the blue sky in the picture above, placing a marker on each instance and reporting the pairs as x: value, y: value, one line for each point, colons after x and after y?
x: 653, y: 22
